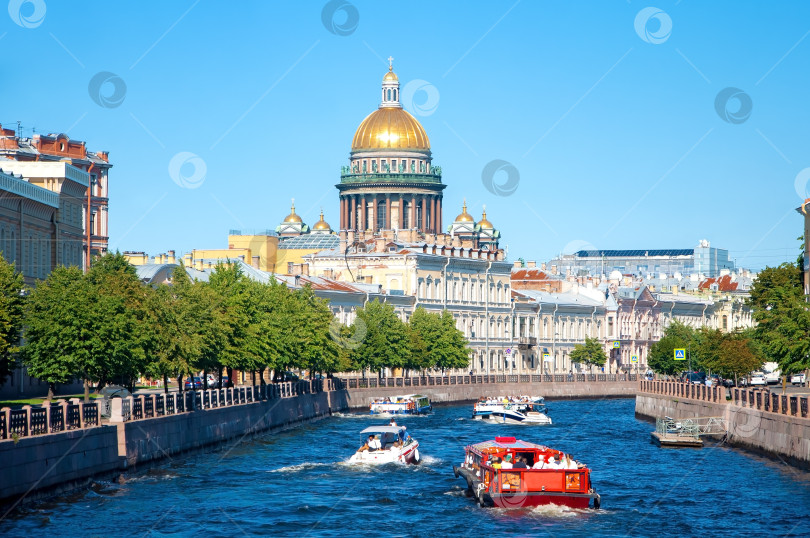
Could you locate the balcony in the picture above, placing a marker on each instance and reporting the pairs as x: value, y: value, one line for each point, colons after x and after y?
x: 526, y: 342
x: 391, y: 178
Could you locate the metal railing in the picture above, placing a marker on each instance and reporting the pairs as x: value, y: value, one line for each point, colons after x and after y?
x: 761, y: 399
x: 430, y: 381
x: 62, y: 416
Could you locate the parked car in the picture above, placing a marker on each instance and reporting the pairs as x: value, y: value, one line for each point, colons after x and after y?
x: 696, y: 378
x: 223, y: 382
x: 290, y: 376
x: 212, y: 381
x: 757, y: 379
x: 193, y: 383
x: 798, y: 379
x: 772, y: 378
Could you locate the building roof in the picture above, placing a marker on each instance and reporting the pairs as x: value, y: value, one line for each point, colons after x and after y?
x: 310, y: 242
x: 634, y: 253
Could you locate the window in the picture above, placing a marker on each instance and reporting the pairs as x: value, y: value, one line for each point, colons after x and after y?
x: 406, y: 215
x: 380, y: 216
x: 725, y: 323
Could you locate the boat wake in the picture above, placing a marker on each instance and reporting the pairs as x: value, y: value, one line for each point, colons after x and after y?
x: 299, y: 467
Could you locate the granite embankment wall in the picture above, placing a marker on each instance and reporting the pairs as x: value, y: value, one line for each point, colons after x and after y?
x: 36, y: 465
x: 779, y: 431
x: 359, y: 398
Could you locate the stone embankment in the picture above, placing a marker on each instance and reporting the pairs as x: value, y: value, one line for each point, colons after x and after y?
x: 773, y: 424
x: 65, y: 445
x: 361, y: 392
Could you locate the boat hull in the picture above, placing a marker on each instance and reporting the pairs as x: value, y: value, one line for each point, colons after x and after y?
x: 506, y: 417
x: 408, y: 454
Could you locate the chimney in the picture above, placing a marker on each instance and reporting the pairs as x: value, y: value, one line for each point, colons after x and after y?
x: 379, y: 244
x: 516, y: 264
x: 553, y: 269
x: 543, y: 266
x: 305, y: 269
x: 343, y: 237
x: 255, y: 262
x: 531, y: 264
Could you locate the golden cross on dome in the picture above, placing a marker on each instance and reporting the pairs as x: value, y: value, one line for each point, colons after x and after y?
x: 390, y: 63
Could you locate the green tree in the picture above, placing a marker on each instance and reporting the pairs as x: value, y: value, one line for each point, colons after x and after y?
x: 737, y: 356
x: 661, y: 356
x: 451, y: 350
x: 116, y: 313
x: 12, y: 312
x: 425, y: 330
x: 783, y: 320
x: 590, y: 353
x: 386, y: 341
x: 57, y: 327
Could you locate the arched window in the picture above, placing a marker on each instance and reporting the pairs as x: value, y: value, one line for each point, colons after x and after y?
x: 389, y: 94
x: 395, y: 95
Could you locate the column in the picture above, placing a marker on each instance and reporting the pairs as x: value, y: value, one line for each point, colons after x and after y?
x: 353, y: 212
x: 439, y: 214
x: 401, y: 212
x: 424, y: 214
x: 433, y: 214
x: 387, y: 211
x: 363, y: 225
x: 374, y: 224
x: 412, y: 221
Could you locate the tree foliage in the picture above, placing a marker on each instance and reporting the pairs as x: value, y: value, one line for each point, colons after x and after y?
x: 590, y: 353
x: 12, y: 304
x: 782, y: 316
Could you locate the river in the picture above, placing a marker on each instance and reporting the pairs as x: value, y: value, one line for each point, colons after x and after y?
x: 297, y: 483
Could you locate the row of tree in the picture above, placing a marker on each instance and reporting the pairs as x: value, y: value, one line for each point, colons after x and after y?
x: 106, y: 326
x: 729, y: 355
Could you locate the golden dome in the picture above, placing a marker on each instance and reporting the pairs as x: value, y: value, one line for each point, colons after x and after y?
x: 390, y: 128
x: 292, y: 217
x: 390, y: 76
x: 465, y: 217
x: 321, y: 224
x: 484, y: 223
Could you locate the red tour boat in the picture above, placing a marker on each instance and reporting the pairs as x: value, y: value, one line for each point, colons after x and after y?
x: 549, y: 476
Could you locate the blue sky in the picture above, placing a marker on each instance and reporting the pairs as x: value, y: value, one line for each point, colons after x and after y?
x: 615, y: 132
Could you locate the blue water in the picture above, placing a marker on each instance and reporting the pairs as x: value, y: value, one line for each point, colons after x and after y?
x: 297, y: 483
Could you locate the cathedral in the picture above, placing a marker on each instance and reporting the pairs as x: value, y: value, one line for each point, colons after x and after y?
x: 390, y: 189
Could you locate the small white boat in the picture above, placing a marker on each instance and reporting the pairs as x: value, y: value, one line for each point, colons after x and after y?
x: 396, y: 446
x: 410, y: 404
x: 525, y: 410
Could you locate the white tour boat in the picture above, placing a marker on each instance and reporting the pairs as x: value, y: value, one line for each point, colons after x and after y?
x: 395, y: 445
x: 523, y: 410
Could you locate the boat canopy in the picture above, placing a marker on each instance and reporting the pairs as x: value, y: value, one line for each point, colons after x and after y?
x: 507, y: 442
x: 383, y: 429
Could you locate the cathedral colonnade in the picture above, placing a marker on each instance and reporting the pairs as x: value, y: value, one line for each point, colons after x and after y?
x: 388, y: 211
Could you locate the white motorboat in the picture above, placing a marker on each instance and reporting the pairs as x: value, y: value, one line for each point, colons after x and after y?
x: 524, y: 410
x: 395, y: 445
x: 410, y: 404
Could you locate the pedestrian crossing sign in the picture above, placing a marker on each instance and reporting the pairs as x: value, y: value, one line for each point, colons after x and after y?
x: 680, y: 354
x: 616, y: 344
x: 546, y: 357
x: 634, y: 359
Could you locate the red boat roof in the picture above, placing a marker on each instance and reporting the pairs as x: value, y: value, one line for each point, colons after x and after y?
x: 507, y: 442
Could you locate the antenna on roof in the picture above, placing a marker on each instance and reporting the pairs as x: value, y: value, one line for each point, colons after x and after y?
x: 19, y: 129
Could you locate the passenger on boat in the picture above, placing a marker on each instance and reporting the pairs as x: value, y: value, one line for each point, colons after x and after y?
x: 496, y: 462
x: 393, y: 422
x: 371, y: 445
x: 520, y: 463
x: 507, y: 462
x: 541, y: 463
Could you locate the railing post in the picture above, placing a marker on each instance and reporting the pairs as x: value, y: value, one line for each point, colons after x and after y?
x: 77, y: 401
x: 116, y: 408
x: 47, y: 406
x: 27, y: 409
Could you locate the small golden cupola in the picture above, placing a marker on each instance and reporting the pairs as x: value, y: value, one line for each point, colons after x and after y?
x: 484, y: 224
x: 292, y: 224
x: 321, y: 227
x: 464, y: 216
